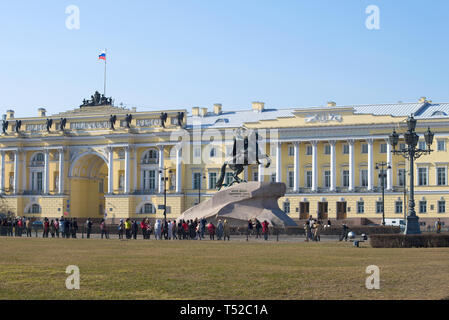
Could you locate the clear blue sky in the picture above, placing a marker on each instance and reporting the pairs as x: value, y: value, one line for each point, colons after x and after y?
x: 178, y: 54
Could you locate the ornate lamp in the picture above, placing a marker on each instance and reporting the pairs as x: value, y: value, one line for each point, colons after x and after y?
x: 428, y: 136
x: 394, y: 139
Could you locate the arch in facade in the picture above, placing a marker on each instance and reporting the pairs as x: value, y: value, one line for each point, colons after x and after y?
x: 84, y: 154
x: 32, y: 207
x: 148, y: 155
x: 141, y: 207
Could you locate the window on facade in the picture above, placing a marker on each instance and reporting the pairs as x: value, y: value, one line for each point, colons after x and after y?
x: 121, y: 181
x: 327, y: 179
x: 441, y: 206
x: 422, y: 176
x: 38, y: 160
x: 441, y: 176
x: 273, y: 177
x: 212, y: 180
x: 422, y: 145
x: 398, y: 207
x: 364, y: 148
x: 364, y: 178
x: 360, y: 207
x: 441, y: 145
x: 345, y: 178
x: 150, y: 157
x: 149, y: 180
x: 423, y: 206
x: 36, y: 181
x: 383, y: 148
x: 101, y: 186
x: 402, y: 146
x: 308, y: 179
x: 346, y: 149
x: 327, y: 149
x: 291, y: 151
x: 401, y: 177
x: 56, y: 182
x: 35, y: 208
x: 229, y: 177
x: 308, y: 150
x: 378, y: 206
x: 197, y: 180
x: 255, y: 176
x: 212, y: 153
x: 291, y: 179
x: 147, y: 208
x: 287, y: 207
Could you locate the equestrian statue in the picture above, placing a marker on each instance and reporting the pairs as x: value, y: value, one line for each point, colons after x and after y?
x: 240, y: 159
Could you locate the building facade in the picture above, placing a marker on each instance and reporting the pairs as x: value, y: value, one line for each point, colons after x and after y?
x: 327, y: 157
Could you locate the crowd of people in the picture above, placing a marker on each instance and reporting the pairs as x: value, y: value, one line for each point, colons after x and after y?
x: 196, y: 229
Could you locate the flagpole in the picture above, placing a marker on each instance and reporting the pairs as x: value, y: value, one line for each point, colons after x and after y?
x: 106, y: 56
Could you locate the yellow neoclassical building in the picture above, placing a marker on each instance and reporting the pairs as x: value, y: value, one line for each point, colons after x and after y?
x: 101, y: 159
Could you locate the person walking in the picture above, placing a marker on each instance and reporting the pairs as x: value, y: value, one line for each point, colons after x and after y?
x: 438, y: 225
x: 62, y: 226
x: 169, y: 229
x: 203, y: 223
x: 317, y: 231
x: 198, y: 231
x: 46, y: 228
x: 265, y: 225
x: 219, y: 229
x: 226, y: 230
x: 143, y: 227
x: 134, y: 229
x: 258, y: 229
x: 121, y: 229
x: 103, y: 229
x: 57, y: 227
x: 28, y: 227
x: 211, y: 229
x: 174, y: 229
x: 249, y: 229
x: 344, y: 232
x: 128, y: 228
x: 307, y: 230
x: 158, y: 230
x: 52, y: 228
x: 88, y: 227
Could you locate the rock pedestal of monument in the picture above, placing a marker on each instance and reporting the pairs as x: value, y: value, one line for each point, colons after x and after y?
x: 244, y: 201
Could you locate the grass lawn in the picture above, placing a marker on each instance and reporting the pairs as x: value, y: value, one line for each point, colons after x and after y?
x: 114, y: 269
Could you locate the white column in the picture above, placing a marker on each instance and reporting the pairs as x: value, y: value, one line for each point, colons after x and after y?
x: 333, y: 165
x: 314, y: 165
x: 16, y: 172
x: 178, y: 170
x: 296, y: 167
x: 351, y: 165
x: 279, y: 162
x: 161, y: 169
x: 46, y: 172
x: 61, y: 172
x: 389, y: 171
x: 24, y: 170
x: 135, y: 169
x: 370, y: 164
x: 111, y: 170
x: 2, y: 172
x: 127, y: 182
x: 260, y: 177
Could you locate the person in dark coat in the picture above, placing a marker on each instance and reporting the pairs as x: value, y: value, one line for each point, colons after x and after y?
x: 88, y: 227
x: 74, y: 228
x: 67, y: 224
x: 344, y: 232
x: 134, y: 229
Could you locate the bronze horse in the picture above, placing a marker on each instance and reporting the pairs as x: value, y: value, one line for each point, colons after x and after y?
x: 236, y: 165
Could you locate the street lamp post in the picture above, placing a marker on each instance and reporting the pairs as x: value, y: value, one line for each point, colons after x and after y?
x: 411, y: 152
x: 383, y: 176
x: 164, y: 179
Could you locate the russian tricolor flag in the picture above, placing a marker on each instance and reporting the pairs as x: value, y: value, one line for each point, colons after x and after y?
x: 102, y: 56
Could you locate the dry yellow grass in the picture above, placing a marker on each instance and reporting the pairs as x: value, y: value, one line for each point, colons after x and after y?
x: 113, y: 269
